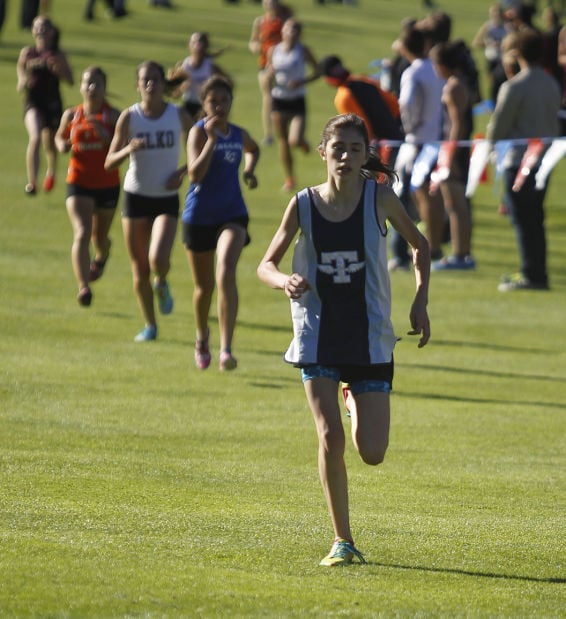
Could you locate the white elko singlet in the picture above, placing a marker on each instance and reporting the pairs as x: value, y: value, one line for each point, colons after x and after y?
x: 151, y: 167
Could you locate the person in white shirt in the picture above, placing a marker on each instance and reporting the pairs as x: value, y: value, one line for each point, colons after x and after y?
x: 420, y: 103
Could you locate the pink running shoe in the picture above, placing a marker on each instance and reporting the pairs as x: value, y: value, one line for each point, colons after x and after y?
x: 202, y: 353
x: 227, y: 361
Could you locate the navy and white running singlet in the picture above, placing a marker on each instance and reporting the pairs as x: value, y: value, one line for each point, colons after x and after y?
x: 345, y: 318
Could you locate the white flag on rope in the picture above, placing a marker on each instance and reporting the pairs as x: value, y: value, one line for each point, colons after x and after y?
x: 424, y: 164
x: 552, y: 156
x: 478, y: 163
x: 501, y: 148
x: 404, y: 165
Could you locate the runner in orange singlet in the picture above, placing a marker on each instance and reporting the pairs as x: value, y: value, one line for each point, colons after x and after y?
x: 92, y: 192
x: 266, y: 32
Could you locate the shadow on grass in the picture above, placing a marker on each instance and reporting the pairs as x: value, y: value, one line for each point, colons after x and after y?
x: 119, y: 315
x: 267, y: 385
x: 490, y: 346
x: 476, y: 372
x: 452, y: 398
x: 10, y: 53
x: 263, y: 327
x: 447, y: 570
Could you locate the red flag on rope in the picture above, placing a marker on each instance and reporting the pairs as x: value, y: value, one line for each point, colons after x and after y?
x: 529, y: 161
x: 442, y: 170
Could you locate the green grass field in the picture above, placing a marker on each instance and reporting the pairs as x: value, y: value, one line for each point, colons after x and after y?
x: 132, y: 485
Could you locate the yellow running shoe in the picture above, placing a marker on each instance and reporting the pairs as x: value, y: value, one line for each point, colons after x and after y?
x: 342, y: 553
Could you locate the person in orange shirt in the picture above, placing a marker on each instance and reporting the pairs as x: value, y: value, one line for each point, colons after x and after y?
x: 86, y: 131
x: 266, y: 32
x: 379, y: 109
x: 359, y: 94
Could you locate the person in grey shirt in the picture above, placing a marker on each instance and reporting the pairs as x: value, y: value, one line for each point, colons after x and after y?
x: 527, y: 107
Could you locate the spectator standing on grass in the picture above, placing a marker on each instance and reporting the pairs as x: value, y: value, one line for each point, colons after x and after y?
x: 30, y: 9
x: 41, y: 67
x: 2, y: 14
x: 562, y: 63
x: 286, y: 67
x: 437, y: 28
x: 361, y: 95
x: 215, y: 217
x: 340, y: 303
x: 420, y: 102
x: 527, y: 107
x: 550, y: 36
x: 399, y: 63
x: 266, y: 32
x: 28, y: 12
x: 519, y: 16
x: 117, y: 8
x: 86, y: 131
x: 150, y: 134
x: 457, y: 102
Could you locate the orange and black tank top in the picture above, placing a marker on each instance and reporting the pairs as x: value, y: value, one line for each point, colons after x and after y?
x: 89, y: 150
x: 269, y: 35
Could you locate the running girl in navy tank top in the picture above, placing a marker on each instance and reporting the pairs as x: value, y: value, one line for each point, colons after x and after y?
x: 340, y: 304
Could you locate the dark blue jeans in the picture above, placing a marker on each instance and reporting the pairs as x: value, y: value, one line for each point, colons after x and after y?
x: 527, y: 217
